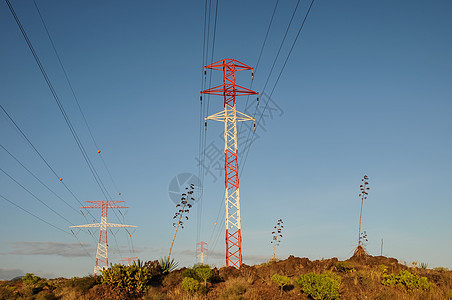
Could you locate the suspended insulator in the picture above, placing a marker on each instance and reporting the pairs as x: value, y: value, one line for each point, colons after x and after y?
x: 205, y: 124
x: 254, y: 126
x: 252, y: 75
x: 200, y: 98
x: 257, y: 100
x: 205, y: 73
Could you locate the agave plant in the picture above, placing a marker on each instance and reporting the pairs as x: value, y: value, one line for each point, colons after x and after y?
x: 168, y: 265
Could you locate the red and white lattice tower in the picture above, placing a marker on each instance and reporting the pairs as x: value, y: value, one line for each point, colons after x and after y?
x: 102, y: 246
x: 230, y: 116
x: 201, y: 250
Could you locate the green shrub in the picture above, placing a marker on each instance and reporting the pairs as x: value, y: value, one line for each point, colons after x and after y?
x: 190, y: 272
x: 406, y: 279
x: 344, y: 266
x: 190, y: 284
x: 200, y: 273
x: 31, y: 279
x: 132, y: 280
x: 282, y: 281
x: 325, y: 286
x: 204, y: 273
x: 34, y: 284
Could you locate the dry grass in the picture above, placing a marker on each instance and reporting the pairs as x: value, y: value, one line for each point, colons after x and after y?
x: 235, y: 288
x: 68, y: 293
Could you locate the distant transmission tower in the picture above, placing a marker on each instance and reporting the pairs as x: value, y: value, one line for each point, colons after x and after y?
x: 230, y: 116
x: 129, y: 260
x: 201, y: 250
x: 102, y: 246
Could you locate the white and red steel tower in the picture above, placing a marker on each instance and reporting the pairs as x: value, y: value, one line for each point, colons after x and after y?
x: 230, y: 116
x: 102, y: 246
x: 201, y: 250
x: 129, y: 260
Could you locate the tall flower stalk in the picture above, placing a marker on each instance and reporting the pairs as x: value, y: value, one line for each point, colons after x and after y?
x: 359, y: 251
x: 277, y: 236
x: 185, y: 206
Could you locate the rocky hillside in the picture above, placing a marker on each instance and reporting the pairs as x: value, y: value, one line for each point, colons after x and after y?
x: 364, y: 277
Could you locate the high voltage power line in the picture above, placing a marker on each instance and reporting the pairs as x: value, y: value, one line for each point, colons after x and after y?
x: 80, y: 109
x: 279, y: 76
x: 61, y: 108
x: 260, y: 54
x: 208, y: 50
x: 33, y: 195
x: 16, y: 126
x: 35, y: 216
x: 204, y: 105
x: 39, y: 180
x: 75, y: 96
x: 248, y: 140
x: 44, y: 221
x: 59, y: 104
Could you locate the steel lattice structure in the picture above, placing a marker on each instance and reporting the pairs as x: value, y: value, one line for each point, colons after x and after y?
x: 230, y: 116
x: 102, y: 246
x: 129, y: 260
x: 201, y: 250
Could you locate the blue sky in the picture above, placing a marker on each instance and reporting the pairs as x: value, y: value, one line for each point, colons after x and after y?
x: 366, y: 90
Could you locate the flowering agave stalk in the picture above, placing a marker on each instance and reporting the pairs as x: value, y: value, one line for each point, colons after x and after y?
x: 184, y: 208
x: 277, y: 236
x: 363, y: 195
x: 360, y: 251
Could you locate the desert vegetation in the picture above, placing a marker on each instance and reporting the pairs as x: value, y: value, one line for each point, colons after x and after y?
x: 360, y: 277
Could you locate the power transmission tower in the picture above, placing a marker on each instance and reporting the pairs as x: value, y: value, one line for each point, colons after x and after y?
x: 230, y: 116
x: 201, y: 250
x: 102, y: 246
x: 129, y: 260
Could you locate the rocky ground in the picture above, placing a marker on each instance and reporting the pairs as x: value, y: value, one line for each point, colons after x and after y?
x: 364, y: 277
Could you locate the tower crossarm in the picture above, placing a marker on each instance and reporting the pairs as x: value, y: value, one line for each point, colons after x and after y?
x: 229, y: 114
x: 229, y: 88
x: 94, y: 225
x: 219, y: 65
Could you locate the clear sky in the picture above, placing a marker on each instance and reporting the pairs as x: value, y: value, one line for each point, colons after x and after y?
x: 366, y: 91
